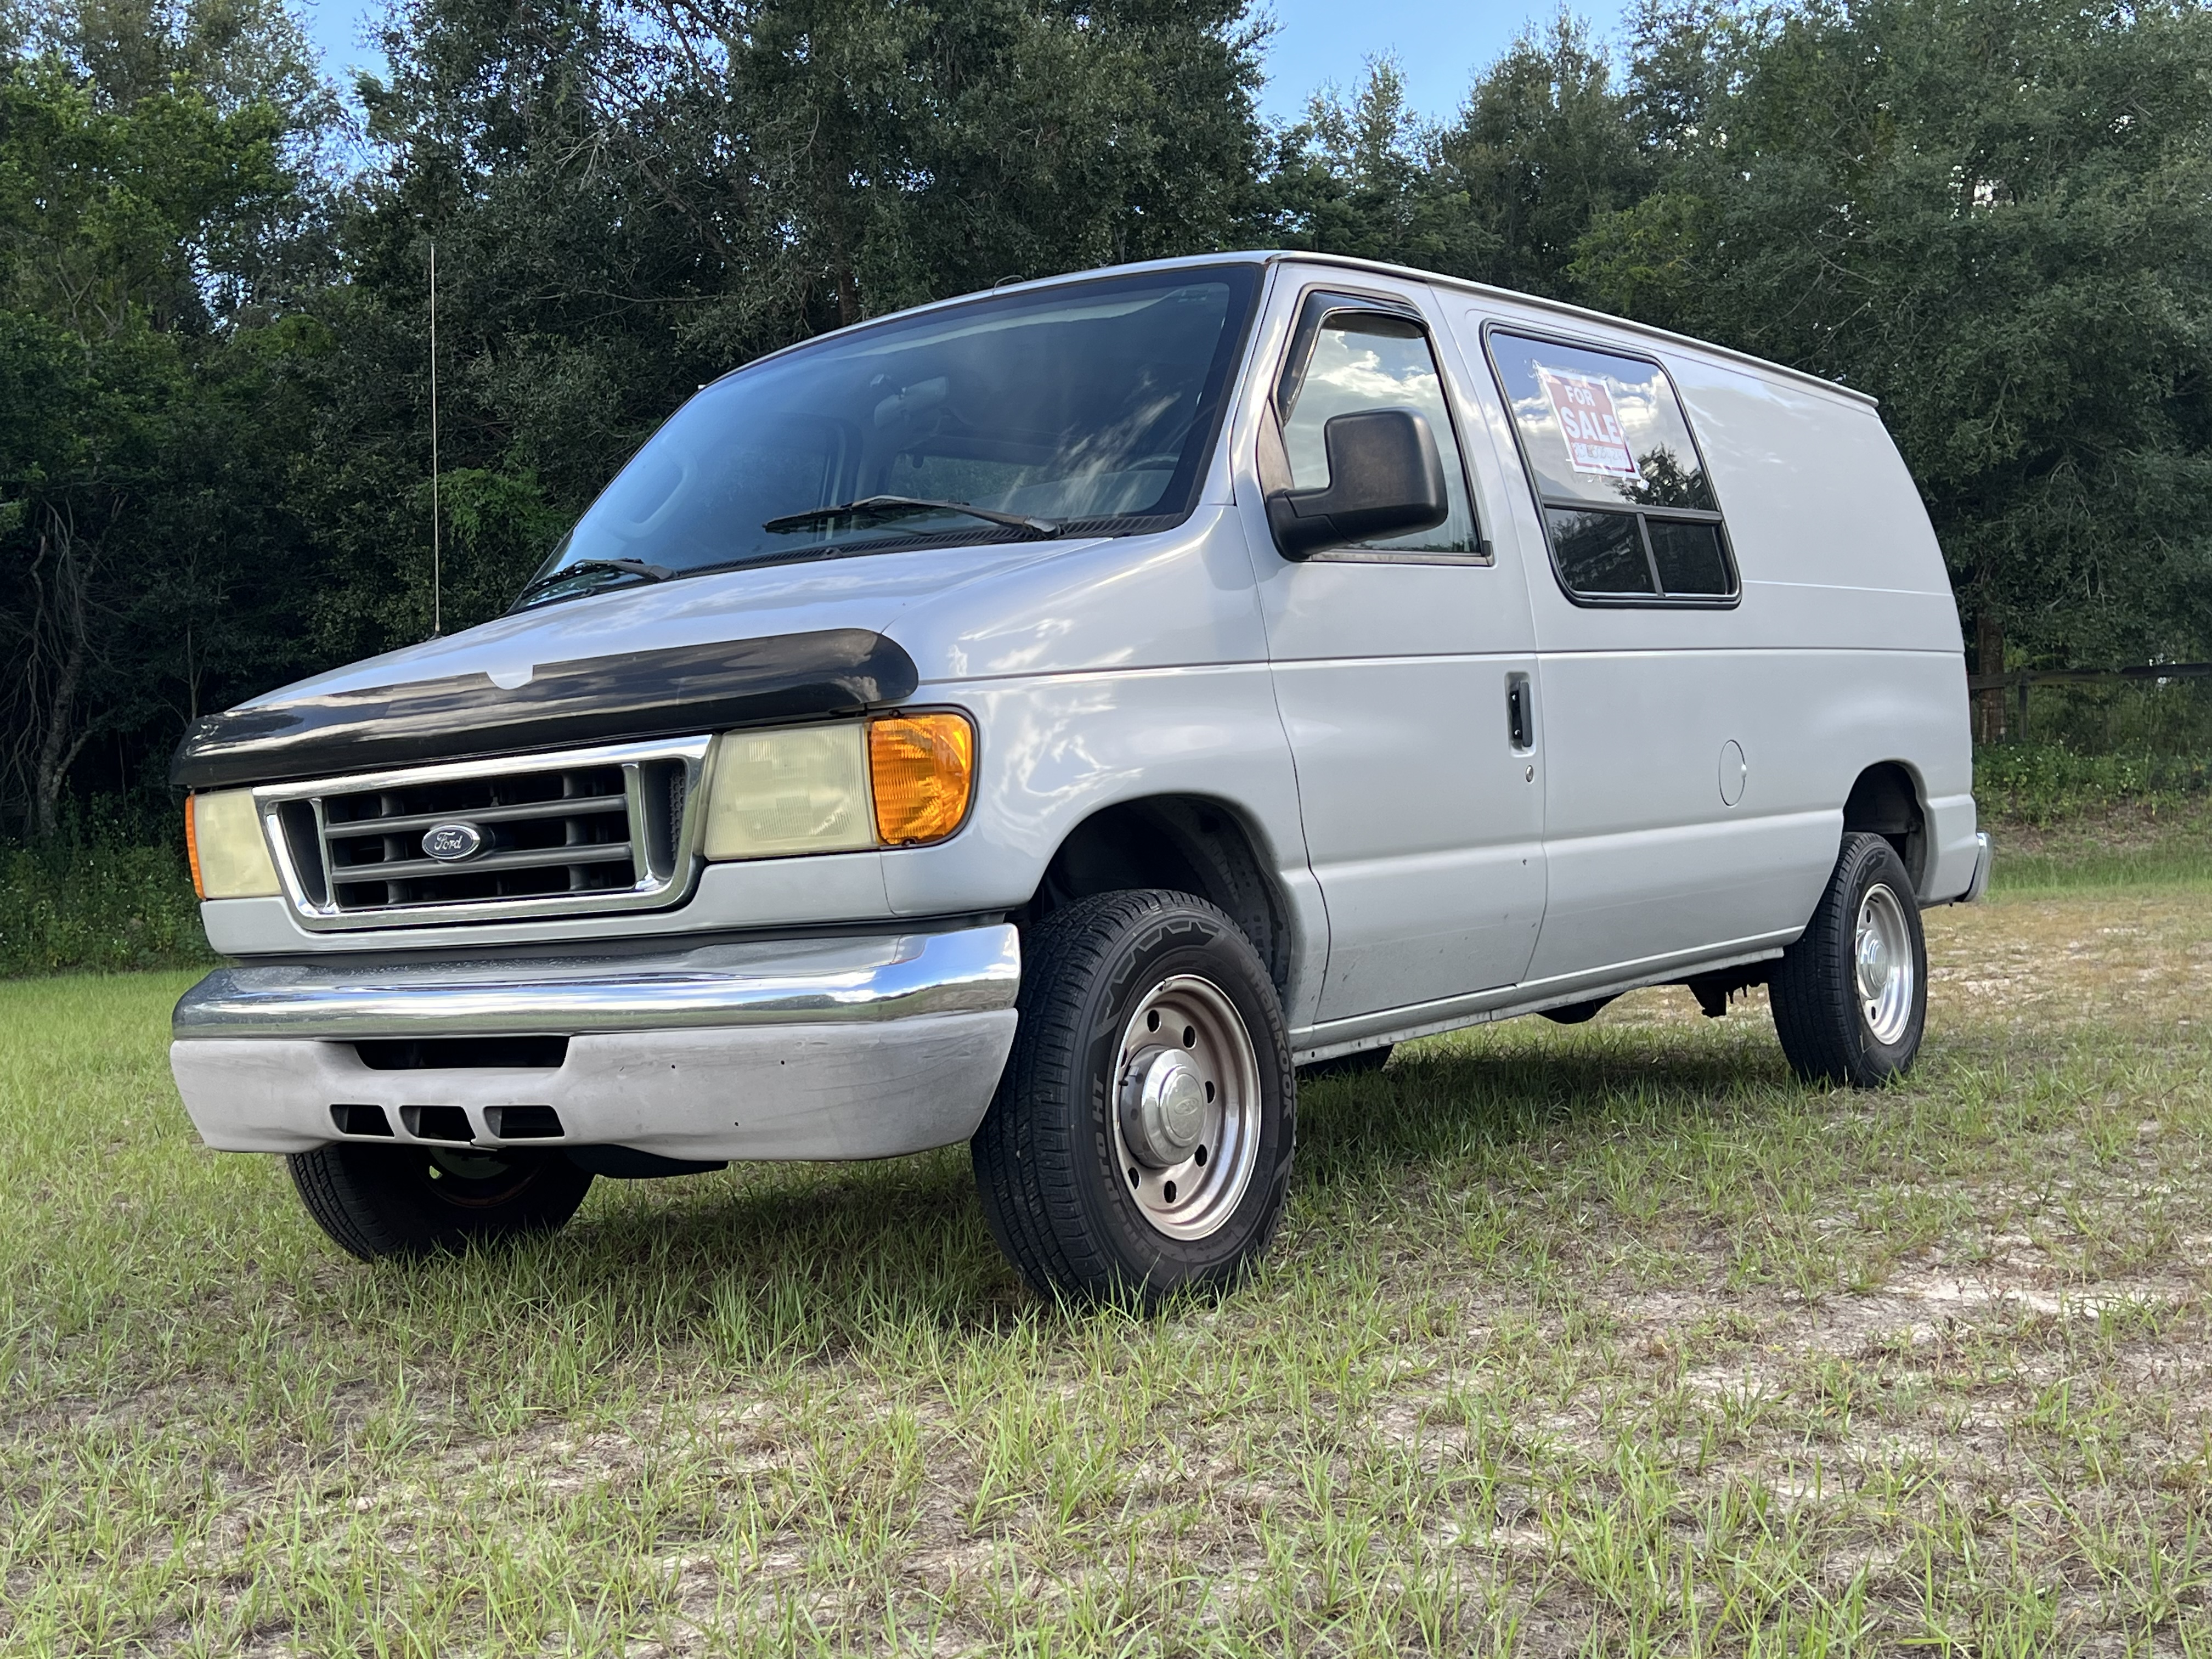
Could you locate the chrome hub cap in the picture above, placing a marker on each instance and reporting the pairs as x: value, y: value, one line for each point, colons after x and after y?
x: 1186, y: 1122
x: 1169, y: 1122
x: 1882, y: 952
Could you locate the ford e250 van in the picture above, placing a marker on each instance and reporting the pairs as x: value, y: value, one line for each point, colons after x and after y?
x: 1050, y: 719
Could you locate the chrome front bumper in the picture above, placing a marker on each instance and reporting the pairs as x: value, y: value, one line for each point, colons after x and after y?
x: 788, y: 982
x: 827, y: 1048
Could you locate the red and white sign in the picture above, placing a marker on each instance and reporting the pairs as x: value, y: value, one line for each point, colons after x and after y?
x: 1595, y: 442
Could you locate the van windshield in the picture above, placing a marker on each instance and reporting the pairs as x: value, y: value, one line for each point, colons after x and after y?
x: 1087, y: 408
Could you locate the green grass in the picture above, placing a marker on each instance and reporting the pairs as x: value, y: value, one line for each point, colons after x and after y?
x: 1609, y: 1339
x: 2184, y: 863
x: 2139, y: 846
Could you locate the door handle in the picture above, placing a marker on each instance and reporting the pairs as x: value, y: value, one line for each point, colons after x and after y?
x: 1520, y: 714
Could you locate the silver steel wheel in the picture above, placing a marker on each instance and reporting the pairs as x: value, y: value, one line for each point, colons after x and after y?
x: 1187, y: 1118
x: 1881, y: 953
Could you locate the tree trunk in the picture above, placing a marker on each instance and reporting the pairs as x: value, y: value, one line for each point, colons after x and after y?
x: 63, y: 638
x: 58, y: 748
x: 1988, y: 659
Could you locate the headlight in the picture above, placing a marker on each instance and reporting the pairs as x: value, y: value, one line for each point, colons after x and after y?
x: 773, y: 792
x: 223, y: 840
x: 901, y: 782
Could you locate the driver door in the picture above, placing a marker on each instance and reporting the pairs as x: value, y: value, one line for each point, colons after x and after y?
x: 1405, y: 673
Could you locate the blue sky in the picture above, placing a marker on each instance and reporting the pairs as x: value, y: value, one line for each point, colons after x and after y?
x: 1439, y: 44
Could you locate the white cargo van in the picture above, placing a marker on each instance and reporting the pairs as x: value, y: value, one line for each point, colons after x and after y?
x: 1048, y: 719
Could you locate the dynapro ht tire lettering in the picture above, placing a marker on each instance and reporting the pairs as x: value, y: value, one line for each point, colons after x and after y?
x: 1140, y: 1138
x: 1850, y: 996
x: 410, y: 1201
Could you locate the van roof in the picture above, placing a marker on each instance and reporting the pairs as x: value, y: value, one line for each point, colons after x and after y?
x: 1558, y: 307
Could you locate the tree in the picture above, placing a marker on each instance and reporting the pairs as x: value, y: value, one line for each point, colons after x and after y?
x: 1995, y: 215
x: 1543, y: 146
x: 627, y: 202
x: 1360, y: 176
x: 137, y: 215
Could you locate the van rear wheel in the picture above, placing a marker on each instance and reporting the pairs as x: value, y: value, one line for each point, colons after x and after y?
x: 410, y: 1201
x: 1140, y: 1138
x: 1850, y: 996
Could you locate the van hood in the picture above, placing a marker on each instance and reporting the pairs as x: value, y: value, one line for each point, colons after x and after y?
x: 738, y: 648
x: 863, y: 592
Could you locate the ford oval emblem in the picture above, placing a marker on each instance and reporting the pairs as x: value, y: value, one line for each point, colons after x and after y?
x: 449, y: 843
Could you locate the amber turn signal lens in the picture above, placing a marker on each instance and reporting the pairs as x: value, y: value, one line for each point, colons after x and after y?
x: 922, y: 769
x: 192, y: 846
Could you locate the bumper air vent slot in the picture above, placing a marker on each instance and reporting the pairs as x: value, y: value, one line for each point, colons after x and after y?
x: 437, y: 1123
x: 523, y: 1122
x: 359, y: 1119
x: 513, y: 1054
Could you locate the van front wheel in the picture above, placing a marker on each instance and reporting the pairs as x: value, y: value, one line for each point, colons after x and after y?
x: 1850, y: 996
x: 1140, y: 1138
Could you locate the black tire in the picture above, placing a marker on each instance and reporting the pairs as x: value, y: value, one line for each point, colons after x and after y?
x: 1362, y: 1063
x: 1820, y: 1013
x: 412, y: 1201
x: 1049, y: 1156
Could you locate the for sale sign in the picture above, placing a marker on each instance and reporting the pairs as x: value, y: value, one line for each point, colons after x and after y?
x: 1595, y: 442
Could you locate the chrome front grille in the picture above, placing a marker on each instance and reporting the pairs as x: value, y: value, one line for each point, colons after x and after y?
x: 605, y: 829
x: 567, y: 831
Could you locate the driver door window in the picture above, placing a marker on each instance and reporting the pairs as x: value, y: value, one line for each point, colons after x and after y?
x: 1348, y: 359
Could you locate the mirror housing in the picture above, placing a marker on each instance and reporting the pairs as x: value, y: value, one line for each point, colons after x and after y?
x: 1385, y: 478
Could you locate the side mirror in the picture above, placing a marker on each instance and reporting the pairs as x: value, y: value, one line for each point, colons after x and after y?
x: 1385, y: 478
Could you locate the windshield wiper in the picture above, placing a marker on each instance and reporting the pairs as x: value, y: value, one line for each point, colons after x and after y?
x: 886, y: 506
x: 652, y: 572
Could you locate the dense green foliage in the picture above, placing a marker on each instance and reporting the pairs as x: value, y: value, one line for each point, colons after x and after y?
x: 215, y: 359
x: 1996, y: 216
x: 103, y: 905
x: 2040, y: 783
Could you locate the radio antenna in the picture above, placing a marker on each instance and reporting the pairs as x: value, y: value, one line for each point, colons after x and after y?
x: 437, y: 549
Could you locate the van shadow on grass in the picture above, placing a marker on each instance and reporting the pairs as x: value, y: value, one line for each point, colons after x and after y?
x: 1446, y: 1102
x: 769, y: 1265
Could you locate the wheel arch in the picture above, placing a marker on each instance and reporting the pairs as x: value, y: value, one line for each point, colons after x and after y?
x: 1887, y: 798
x: 1196, y: 844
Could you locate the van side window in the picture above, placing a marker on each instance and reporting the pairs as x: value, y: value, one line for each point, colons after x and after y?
x: 1345, y: 358
x: 1624, y: 492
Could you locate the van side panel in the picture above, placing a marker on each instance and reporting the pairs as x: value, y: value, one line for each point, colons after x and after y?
x: 1859, y: 567
x: 1059, y: 747
x: 1844, y: 651
x: 1849, y: 562
x: 1815, y: 484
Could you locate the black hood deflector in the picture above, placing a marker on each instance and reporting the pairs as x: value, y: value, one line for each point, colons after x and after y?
x: 639, y: 694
